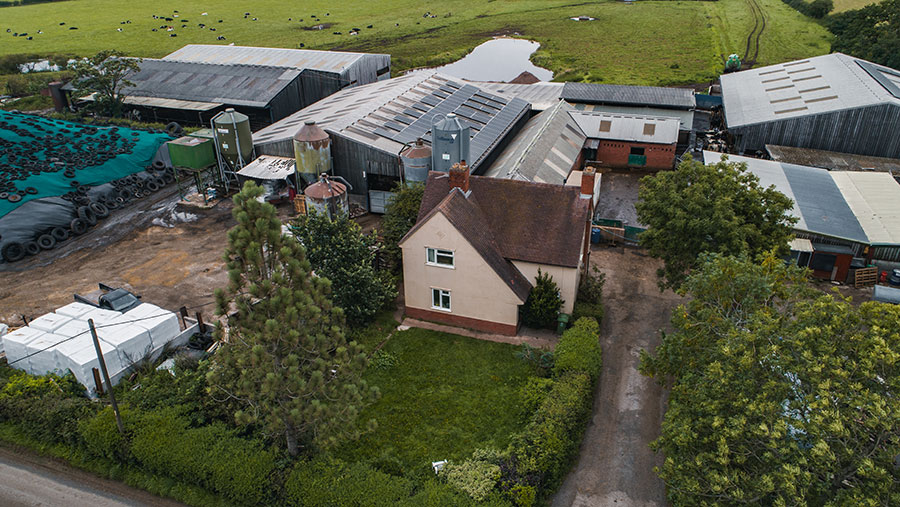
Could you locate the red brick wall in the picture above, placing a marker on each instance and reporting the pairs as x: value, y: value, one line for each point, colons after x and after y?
x: 460, y: 321
x: 615, y: 154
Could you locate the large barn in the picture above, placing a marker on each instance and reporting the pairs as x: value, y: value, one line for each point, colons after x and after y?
x: 321, y: 72
x: 833, y: 102
x: 370, y: 125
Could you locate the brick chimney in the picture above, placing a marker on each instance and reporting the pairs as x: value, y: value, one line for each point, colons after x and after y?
x: 587, y: 192
x: 587, y: 183
x: 459, y: 176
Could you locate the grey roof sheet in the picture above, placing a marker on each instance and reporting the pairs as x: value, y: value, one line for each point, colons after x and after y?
x: 544, y: 151
x: 541, y: 96
x: 818, y: 202
x: 685, y: 116
x: 388, y: 114
x: 805, y: 87
x: 329, y: 61
x: 622, y: 127
x: 832, y: 160
x: 247, y: 85
x: 656, y: 96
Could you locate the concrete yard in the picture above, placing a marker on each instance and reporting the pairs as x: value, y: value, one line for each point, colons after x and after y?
x: 615, y: 463
x: 618, y: 194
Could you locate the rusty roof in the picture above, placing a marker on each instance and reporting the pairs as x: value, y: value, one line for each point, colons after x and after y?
x: 532, y: 222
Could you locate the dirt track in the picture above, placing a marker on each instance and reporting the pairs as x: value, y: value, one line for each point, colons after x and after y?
x: 145, y: 248
x: 615, y: 464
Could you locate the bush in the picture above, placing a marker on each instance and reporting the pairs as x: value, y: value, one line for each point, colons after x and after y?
x: 540, y: 359
x: 47, y: 407
x: 209, y: 456
x: 579, y: 349
x: 101, y: 436
x: 473, y: 477
x: 546, y: 447
x: 590, y: 287
x: 542, y: 307
x: 534, y: 392
x: 330, y: 482
x: 589, y: 310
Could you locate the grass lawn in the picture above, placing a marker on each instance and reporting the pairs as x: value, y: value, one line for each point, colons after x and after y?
x: 648, y: 42
x: 445, y: 396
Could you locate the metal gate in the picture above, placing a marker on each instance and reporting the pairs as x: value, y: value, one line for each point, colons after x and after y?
x: 378, y: 200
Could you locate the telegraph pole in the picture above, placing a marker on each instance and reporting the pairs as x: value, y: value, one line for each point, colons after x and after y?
x: 112, y: 396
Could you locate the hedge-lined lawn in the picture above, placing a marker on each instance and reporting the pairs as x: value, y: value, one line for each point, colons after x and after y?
x: 445, y: 396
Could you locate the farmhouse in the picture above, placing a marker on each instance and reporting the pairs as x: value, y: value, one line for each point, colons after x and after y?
x: 476, y: 249
x: 371, y: 124
x: 843, y: 214
x: 833, y: 102
x: 322, y: 73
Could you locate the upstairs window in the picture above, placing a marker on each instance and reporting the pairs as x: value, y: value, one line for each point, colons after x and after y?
x: 438, y: 257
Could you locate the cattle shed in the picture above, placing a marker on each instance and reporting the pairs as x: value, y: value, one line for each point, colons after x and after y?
x: 844, y: 214
x: 832, y: 160
x: 833, y: 102
x: 322, y: 73
x: 370, y: 125
x: 624, y: 141
x: 546, y: 150
x: 192, y: 93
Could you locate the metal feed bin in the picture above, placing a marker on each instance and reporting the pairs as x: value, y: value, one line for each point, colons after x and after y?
x: 416, y: 161
x: 327, y: 196
x: 191, y: 152
x: 312, y: 152
x: 450, y: 142
x: 233, y: 137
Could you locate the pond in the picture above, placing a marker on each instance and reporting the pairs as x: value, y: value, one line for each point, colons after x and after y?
x: 500, y: 59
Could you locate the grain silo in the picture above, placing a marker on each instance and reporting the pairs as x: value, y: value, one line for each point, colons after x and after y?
x: 327, y: 196
x: 312, y: 151
x: 450, y: 142
x: 416, y: 161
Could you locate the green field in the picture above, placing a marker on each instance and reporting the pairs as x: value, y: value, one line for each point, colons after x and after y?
x: 849, y: 5
x: 648, y: 42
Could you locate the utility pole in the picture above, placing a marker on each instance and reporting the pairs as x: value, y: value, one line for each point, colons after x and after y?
x: 112, y: 395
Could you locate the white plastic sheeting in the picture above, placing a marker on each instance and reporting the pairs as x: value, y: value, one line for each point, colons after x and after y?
x: 61, y: 341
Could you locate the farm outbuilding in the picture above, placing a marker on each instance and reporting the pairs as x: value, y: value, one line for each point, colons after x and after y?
x: 634, y: 100
x: 192, y: 93
x: 623, y: 141
x: 843, y: 214
x: 322, y: 73
x: 371, y: 124
x: 833, y: 102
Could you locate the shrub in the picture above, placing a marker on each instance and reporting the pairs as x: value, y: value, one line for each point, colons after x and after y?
x: 579, y: 349
x: 101, y: 436
x: 534, y: 392
x: 330, y: 482
x: 590, y: 287
x: 543, y: 304
x: 382, y: 360
x: 546, y: 446
x: 47, y: 407
x: 210, y: 456
x: 591, y: 310
x: 473, y: 477
x: 541, y: 359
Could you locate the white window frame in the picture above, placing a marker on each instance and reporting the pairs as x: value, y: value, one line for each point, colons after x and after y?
x: 441, y: 293
x: 437, y: 253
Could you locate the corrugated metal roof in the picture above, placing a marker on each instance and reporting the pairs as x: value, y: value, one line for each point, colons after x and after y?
x: 832, y: 160
x: 592, y: 93
x: 541, y: 96
x: 805, y: 87
x: 247, y: 85
x: 685, y: 116
x: 190, y: 105
x: 818, y: 202
x: 875, y: 200
x: 388, y: 114
x: 544, y: 151
x: 635, y: 128
x: 328, y: 61
x: 268, y: 167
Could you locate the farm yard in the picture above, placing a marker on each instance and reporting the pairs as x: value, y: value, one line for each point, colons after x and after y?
x: 647, y: 42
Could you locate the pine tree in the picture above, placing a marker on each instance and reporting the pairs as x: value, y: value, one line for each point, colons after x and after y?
x: 284, y: 362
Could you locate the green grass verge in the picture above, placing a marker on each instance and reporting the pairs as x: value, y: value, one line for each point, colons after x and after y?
x: 648, y: 42
x: 30, y: 103
x: 445, y: 396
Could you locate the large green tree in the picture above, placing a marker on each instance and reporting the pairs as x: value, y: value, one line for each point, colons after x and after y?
x: 400, y: 216
x: 718, y: 208
x: 338, y: 250
x: 284, y: 362
x: 872, y: 33
x: 105, y: 75
x: 779, y: 395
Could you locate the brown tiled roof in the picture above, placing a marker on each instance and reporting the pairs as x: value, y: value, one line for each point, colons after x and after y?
x: 531, y: 222
x: 472, y: 224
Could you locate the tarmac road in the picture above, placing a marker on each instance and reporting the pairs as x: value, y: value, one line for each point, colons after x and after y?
x: 615, y: 463
x: 31, y: 480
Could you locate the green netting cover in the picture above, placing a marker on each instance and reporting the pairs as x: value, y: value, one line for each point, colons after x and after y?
x: 41, y: 157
